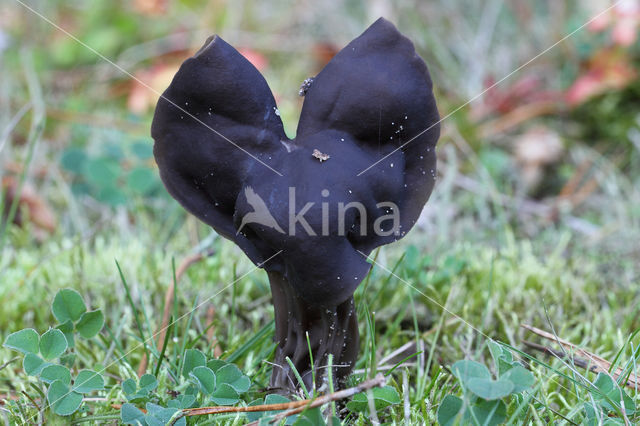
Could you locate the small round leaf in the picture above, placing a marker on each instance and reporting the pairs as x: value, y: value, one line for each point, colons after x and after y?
x: 490, y: 389
x: 448, y: 411
x: 68, y: 305
x: 63, y: 401
x: 274, y: 398
x: 142, y: 150
x: 102, y: 171
x: 52, y: 344
x: 32, y: 364
x: 53, y: 372
x: 520, y: 377
x: 205, y: 378
x: 25, y: 341
x: 157, y: 415
x: 231, y: 375
x: 148, y: 383
x: 311, y: 417
x: 192, y: 358
x: 224, y: 395
x: 129, y: 387
x: 74, y: 160
x: 382, y: 397
x: 141, y: 180
x: 489, y: 412
x: 88, y: 381
x: 111, y: 195
x: 386, y: 395
x: 90, y: 324
x: 466, y: 369
x: 131, y: 415
x: 215, y: 364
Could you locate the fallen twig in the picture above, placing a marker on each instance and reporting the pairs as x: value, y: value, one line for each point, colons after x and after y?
x: 516, y: 117
x: 292, y: 408
x: 580, y: 362
x: 379, y: 380
x: 9, y: 362
x: 580, y: 357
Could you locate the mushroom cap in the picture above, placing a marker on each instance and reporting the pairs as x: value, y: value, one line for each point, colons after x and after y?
x: 367, y: 135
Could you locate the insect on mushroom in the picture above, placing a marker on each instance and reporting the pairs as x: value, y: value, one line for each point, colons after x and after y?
x: 320, y: 156
x: 304, y: 87
x: 342, y: 209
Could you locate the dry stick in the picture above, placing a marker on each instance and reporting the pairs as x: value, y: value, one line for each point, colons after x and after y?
x: 573, y: 191
x: 294, y: 407
x: 577, y: 194
x: 584, y: 192
x: 405, y: 391
x: 598, y: 364
x: 580, y: 362
x: 571, y: 186
x: 168, y: 303
x: 517, y: 116
x: 378, y: 381
x: 9, y: 362
x: 33, y: 402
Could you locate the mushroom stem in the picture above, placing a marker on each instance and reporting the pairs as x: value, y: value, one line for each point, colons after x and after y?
x: 332, y: 330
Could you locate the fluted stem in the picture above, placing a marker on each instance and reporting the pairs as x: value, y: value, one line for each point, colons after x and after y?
x: 331, y: 329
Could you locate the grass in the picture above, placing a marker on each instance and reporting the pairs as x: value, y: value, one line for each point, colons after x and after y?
x: 484, y: 258
x: 487, y: 291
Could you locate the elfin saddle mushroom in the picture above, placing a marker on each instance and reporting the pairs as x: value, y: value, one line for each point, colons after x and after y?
x: 355, y: 177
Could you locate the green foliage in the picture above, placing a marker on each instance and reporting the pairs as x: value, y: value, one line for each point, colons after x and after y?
x: 222, y: 383
x: 204, y: 378
x: 141, y: 391
x: 608, y: 399
x: 231, y: 375
x: 53, y: 372
x: 68, y: 306
x: 484, y: 399
x: 498, y: 164
x: 90, y: 324
x: 156, y: 415
x: 33, y: 364
x: 112, y: 176
x: 52, y: 344
x: 88, y: 381
x: 382, y: 398
x: 612, y: 117
x: 131, y: 415
x: 206, y: 382
x: 192, y: 358
x: 41, y: 353
x: 269, y: 399
x: 62, y: 399
x: 449, y: 409
x: 26, y: 341
x: 307, y: 417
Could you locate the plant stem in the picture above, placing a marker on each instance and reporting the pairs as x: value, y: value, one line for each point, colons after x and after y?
x: 294, y: 407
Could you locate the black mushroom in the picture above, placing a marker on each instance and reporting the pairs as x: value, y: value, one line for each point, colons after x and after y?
x: 310, y: 209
